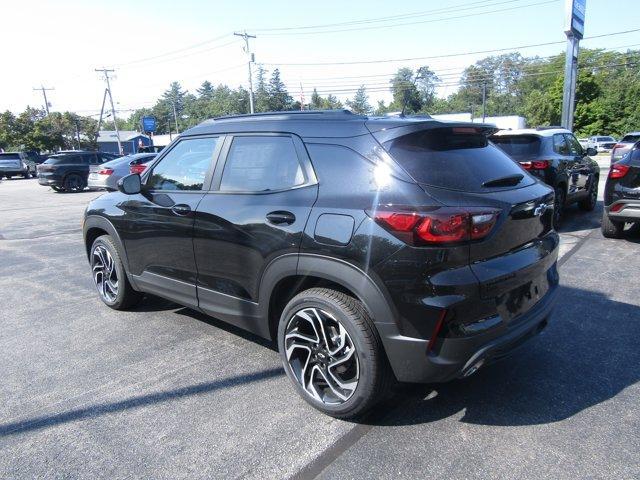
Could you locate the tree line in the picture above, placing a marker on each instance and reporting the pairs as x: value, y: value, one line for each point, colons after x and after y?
x: 607, y: 99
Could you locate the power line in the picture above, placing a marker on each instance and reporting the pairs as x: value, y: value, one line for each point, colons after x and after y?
x: 456, y: 17
x: 459, y: 54
x: 422, y: 13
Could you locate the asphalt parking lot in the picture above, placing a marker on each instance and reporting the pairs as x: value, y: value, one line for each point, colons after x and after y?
x: 164, y: 392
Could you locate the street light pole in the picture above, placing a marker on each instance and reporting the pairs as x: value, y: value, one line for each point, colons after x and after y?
x: 251, y: 57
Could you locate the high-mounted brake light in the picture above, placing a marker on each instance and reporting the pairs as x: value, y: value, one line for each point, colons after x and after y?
x: 439, y: 226
x: 105, y: 171
x: 618, y: 171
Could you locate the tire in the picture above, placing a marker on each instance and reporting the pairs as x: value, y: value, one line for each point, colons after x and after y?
x: 57, y: 189
x: 360, y: 374
x: 106, y: 265
x: 25, y: 174
x: 589, y: 203
x: 559, y: 205
x: 8, y: 177
x: 74, y: 183
x: 611, y: 228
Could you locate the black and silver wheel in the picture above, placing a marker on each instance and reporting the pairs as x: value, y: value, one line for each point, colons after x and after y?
x: 109, y: 276
x: 332, y: 353
x: 74, y: 183
x: 57, y: 189
x: 558, y: 206
x: 589, y: 203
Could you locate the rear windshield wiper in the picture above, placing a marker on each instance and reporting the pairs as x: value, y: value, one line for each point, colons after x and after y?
x: 508, y: 181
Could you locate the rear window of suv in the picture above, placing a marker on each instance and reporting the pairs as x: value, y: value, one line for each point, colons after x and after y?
x: 9, y: 156
x: 630, y: 138
x: 518, y: 146
x: 453, y: 158
x: 65, y: 159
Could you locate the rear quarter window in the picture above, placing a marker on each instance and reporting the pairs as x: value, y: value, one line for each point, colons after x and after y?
x: 445, y: 158
x: 630, y: 138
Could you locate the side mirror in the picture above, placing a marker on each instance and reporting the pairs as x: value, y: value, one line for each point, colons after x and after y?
x: 591, y: 152
x: 130, y: 185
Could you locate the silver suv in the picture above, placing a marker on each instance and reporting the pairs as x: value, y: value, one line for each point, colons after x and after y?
x: 17, y: 163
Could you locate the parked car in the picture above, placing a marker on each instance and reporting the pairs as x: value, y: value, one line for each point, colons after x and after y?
x: 14, y: 164
x: 584, y: 143
x: 555, y: 156
x: 622, y: 194
x: 624, y: 145
x: 371, y: 249
x: 106, y: 175
x: 602, y: 144
x: 68, y: 172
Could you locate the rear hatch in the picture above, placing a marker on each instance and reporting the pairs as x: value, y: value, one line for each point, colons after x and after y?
x: 460, y: 168
x: 10, y: 161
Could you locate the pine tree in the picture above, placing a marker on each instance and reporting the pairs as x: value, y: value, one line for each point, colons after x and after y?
x: 261, y: 95
x: 316, y: 100
x: 206, y: 90
x: 279, y: 98
x: 360, y: 102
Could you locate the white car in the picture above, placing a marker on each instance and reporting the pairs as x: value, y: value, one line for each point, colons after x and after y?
x: 602, y: 143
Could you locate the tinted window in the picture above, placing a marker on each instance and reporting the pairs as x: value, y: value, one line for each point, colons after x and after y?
x: 9, y: 156
x: 453, y: 158
x: 574, y: 146
x: 260, y: 164
x: 185, y: 166
x: 560, y: 145
x: 518, y: 146
x: 630, y: 138
x: 64, y: 159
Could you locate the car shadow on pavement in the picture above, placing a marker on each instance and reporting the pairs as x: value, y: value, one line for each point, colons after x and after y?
x: 587, y: 355
x: 97, y: 410
x: 578, y: 220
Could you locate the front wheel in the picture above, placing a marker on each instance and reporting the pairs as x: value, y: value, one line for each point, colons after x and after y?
x: 110, y: 277
x: 57, y: 189
x: 332, y: 353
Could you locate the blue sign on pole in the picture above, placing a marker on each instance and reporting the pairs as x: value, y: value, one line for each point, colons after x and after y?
x: 149, y: 124
x: 575, y: 10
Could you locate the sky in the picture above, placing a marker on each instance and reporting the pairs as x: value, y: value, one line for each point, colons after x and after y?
x: 149, y: 44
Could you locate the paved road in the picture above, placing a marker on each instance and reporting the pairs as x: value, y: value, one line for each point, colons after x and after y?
x: 164, y: 392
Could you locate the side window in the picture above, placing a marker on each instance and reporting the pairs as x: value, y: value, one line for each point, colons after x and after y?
x: 261, y: 164
x: 95, y: 159
x: 574, y: 146
x: 560, y: 145
x: 185, y: 166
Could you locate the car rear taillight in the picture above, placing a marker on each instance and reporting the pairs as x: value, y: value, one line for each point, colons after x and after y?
x: 616, y: 207
x: 105, y: 171
x: 440, y: 226
x: 618, y: 171
x: 536, y: 165
x: 137, y: 168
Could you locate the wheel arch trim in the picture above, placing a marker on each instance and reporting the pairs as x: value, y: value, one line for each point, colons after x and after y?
x: 97, y: 221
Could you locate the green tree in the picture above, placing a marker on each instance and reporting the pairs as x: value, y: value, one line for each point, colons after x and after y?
x: 360, y: 102
x: 278, y: 97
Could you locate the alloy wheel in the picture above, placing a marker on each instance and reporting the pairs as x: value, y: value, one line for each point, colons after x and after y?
x: 105, y: 274
x: 321, y: 356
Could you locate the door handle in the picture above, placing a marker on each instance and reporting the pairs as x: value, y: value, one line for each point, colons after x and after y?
x: 280, y: 217
x: 181, y: 209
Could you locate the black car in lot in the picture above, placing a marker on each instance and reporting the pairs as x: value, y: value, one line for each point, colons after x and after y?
x: 371, y: 249
x: 555, y: 156
x: 69, y: 171
x: 622, y: 194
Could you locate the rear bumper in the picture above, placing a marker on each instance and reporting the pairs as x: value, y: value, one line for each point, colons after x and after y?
x: 629, y: 210
x: 459, y: 357
x: 49, y: 180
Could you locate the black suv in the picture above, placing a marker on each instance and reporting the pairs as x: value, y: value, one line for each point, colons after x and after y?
x: 556, y: 157
x: 622, y: 194
x: 371, y: 249
x: 69, y: 171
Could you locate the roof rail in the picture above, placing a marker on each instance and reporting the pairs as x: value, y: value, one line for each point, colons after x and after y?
x: 288, y: 113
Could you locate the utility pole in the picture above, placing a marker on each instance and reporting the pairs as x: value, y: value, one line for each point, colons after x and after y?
x: 252, y: 59
x: 106, y: 73
x: 574, y: 30
x: 484, y: 101
x: 44, y: 94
